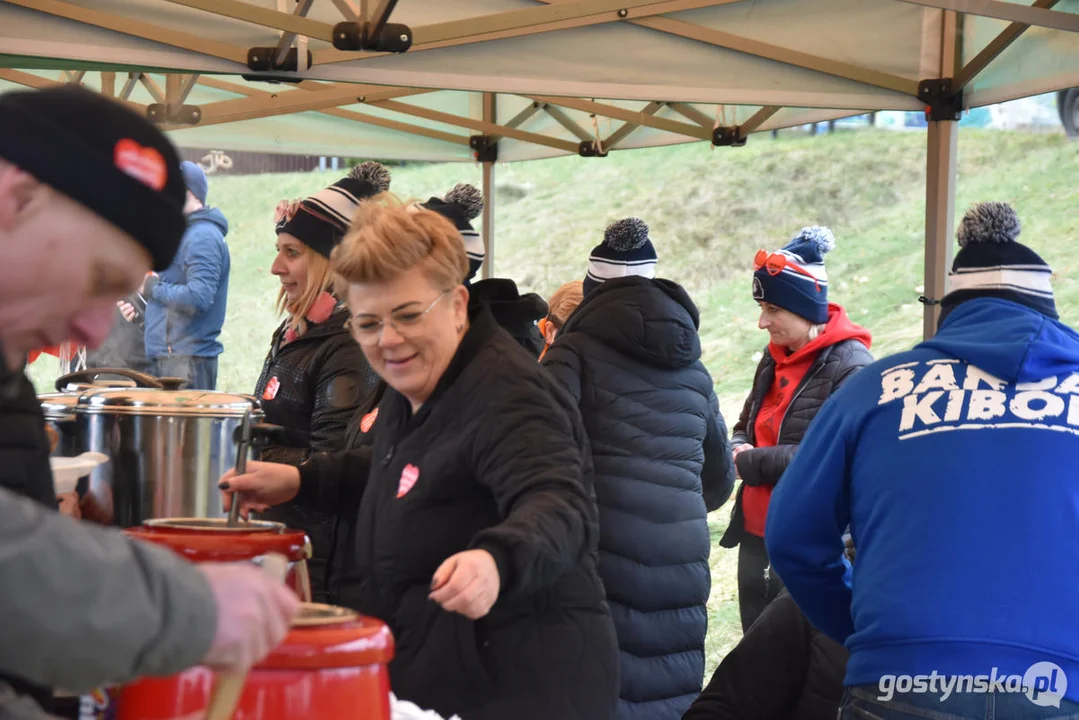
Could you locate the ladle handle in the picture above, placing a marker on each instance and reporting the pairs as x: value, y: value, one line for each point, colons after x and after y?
x: 229, y: 686
x: 242, y: 446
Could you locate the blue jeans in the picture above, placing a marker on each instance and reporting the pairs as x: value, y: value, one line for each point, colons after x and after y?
x: 200, y: 372
x: 860, y: 703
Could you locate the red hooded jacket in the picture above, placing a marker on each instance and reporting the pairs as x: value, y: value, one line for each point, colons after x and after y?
x: 789, y: 371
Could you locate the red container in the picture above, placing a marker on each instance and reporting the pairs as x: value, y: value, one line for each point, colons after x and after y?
x: 332, y: 664
x: 211, y: 540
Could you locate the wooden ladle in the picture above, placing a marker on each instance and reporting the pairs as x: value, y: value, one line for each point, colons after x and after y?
x: 228, y: 686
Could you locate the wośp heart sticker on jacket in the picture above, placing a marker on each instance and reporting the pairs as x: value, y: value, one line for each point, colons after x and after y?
x: 271, y: 388
x: 368, y: 421
x: 409, y: 476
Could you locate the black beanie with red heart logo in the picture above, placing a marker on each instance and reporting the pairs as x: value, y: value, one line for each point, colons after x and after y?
x: 104, y: 156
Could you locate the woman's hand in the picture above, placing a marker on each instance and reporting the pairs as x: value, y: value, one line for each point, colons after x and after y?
x: 264, y: 485
x: 127, y: 310
x: 467, y: 583
x: 68, y: 504
x: 738, y: 450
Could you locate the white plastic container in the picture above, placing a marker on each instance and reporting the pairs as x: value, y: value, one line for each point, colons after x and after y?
x: 66, y: 471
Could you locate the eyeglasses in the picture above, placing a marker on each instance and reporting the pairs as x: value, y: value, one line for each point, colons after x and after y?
x: 777, y: 263
x: 366, y: 330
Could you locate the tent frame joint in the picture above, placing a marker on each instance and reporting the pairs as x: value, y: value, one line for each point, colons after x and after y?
x: 168, y: 114
x: 261, y: 59
x: 942, y: 101
x: 373, y: 34
x: 484, y: 148
x: 589, y: 149
x: 728, y: 136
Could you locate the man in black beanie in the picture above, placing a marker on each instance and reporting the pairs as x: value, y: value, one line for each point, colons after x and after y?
x: 91, y: 199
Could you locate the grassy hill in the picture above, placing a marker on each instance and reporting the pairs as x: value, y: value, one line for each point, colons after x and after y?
x: 709, y: 210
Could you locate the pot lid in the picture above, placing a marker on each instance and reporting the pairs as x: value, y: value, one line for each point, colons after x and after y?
x: 215, y: 525
x: 326, y: 636
x: 53, y: 404
x: 316, y: 614
x: 152, y: 401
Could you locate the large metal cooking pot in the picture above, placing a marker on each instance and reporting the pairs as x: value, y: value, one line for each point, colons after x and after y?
x: 167, y: 446
x: 59, y: 406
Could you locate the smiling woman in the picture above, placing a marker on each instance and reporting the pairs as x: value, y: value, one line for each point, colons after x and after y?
x: 314, y: 377
x: 478, y: 528
x: 404, y: 271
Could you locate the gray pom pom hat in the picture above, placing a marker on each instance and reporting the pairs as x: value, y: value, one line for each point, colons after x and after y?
x: 991, y: 262
x: 626, y: 251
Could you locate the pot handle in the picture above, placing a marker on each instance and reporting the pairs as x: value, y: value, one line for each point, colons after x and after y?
x: 262, y: 434
x: 144, y: 380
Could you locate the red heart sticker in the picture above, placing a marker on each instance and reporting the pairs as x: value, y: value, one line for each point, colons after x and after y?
x: 145, y: 164
x: 271, y: 389
x: 409, y: 476
x: 369, y: 420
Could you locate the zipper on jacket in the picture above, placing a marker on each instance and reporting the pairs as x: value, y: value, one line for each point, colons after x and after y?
x: 801, y: 386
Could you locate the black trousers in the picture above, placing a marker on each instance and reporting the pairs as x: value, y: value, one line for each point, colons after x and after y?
x: 758, y: 585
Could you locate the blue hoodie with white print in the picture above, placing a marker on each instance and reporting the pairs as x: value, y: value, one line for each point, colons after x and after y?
x: 956, y: 465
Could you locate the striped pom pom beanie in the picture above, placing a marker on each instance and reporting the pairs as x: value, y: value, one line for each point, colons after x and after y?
x: 803, y: 293
x: 992, y: 263
x: 461, y: 206
x: 321, y: 220
x: 625, y: 251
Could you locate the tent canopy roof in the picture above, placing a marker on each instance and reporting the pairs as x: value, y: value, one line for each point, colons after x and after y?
x: 543, y: 77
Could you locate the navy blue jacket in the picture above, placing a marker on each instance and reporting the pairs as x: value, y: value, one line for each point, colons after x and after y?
x: 186, y: 308
x: 630, y: 355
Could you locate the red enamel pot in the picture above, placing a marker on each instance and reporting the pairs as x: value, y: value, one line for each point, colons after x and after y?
x: 202, y: 540
x: 332, y: 664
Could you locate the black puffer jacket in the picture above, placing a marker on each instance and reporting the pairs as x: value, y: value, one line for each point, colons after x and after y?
x: 630, y: 354
x: 500, y: 461
x: 764, y: 466
x: 783, y: 668
x: 312, y: 386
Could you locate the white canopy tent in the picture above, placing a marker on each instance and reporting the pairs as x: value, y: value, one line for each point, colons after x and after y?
x: 522, y: 79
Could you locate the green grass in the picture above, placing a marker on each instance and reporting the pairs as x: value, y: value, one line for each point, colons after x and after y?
x: 709, y: 210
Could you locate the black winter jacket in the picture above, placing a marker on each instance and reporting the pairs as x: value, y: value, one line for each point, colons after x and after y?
x: 312, y: 387
x: 517, y: 314
x: 764, y: 466
x: 630, y: 355
x: 783, y: 668
x: 501, y: 462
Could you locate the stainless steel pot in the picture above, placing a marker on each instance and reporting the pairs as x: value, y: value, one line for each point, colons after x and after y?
x: 168, y: 447
x: 59, y: 407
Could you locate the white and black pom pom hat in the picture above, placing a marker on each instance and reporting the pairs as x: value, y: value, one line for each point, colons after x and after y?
x: 626, y: 251
x: 461, y: 206
x: 323, y: 218
x: 992, y: 263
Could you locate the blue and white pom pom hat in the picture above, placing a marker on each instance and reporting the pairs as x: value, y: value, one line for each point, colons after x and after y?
x: 992, y: 263
x: 626, y: 251
x: 798, y: 282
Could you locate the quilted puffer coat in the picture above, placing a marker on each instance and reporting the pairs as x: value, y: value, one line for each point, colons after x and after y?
x: 630, y: 355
